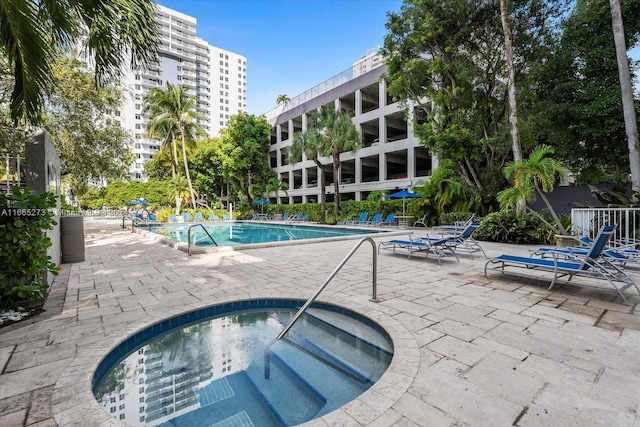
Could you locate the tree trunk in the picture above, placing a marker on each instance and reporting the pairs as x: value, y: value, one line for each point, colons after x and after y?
x: 336, y: 185
x: 513, y: 106
x: 630, y: 123
x: 323, y: 192
x: 186, y: 170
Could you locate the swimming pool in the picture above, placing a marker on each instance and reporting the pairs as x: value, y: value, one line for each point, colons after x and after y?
x: 243, y: 233
x: 209, y: 369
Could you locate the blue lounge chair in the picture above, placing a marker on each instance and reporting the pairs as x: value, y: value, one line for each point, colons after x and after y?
x: 296, y: 218
x: 173, y: 218
x: 285, y: 217
x: 591, y: 265
x: 376, y: 220
x: 199, y: 217
x: 389, y: 220
x: 362, y: 219
x: 186, y: 216
x: 226, y: 217
x: 464, y: 241
x: 213, y: 217
x: 440, y: 248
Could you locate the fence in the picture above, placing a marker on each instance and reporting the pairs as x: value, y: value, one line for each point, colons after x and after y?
x: 587, y: 222
x: 11, y: 172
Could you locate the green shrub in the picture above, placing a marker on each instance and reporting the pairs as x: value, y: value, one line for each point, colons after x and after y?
x: 507, y: 227
x: 24, y: 262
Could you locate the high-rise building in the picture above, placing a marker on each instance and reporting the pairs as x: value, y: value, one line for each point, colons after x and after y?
x: 216, y: 77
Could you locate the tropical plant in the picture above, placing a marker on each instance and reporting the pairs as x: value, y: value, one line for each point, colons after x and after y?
x: 174, y: 119
x: 308, y: 143
x: 33, y: 34
x: 535, y: 175
x: 337, y: 135
x: 25, y: 217
x: 275, y: 186
x: 180, y: 192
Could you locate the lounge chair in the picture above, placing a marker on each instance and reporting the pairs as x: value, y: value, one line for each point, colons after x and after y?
x: 226, y: 217
x: 199, y: 217
x: 438, y: 247
x: 361, y: 219
x: 454, y: 228
x: 173, y: 218
x: 376, y: 220
x: 285, y: 216
x: 421, y: 221
x: 213, y: 217
x: 186, y: 216
x: 296, y: 218
x: 464, y: 240
x: 389, y: 220
x: 590, y: 265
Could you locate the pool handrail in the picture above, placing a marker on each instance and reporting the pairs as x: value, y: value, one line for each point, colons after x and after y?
x: 374, y: 296
x: 189, y: 237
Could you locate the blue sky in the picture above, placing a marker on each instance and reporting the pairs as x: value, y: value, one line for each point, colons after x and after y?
x: 290, y: 45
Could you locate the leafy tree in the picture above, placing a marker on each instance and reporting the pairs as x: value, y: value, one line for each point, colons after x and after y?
x: 206, y: 164
x: 445, y: 60
x: 245, y: 147
x: 337, y: 134
x: 309, y: 143
x: 174, y: 118
x: 33, y: 34
x: 535, y: 175
x: 575, y: 104
x: 91, y: 148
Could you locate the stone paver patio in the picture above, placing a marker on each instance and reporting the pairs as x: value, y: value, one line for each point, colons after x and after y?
x: 469, y: 350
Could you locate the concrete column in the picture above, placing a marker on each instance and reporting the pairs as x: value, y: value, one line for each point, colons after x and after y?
x: 358, y: 94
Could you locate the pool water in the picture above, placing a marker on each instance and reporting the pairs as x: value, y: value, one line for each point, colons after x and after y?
x: 212, y: 373
x: 242, y: 233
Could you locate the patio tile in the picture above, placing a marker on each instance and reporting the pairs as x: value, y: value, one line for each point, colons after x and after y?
x: 469, y: 350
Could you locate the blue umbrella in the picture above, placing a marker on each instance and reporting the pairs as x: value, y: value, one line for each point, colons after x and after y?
x: 261, y: 202
x: 138, y: 202
x: 404, y: 194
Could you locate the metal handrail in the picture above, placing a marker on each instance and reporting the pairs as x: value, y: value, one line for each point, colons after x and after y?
x: 374, y: 296
x: 189, y: 236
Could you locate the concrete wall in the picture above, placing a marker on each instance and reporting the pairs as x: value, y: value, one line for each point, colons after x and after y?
x: 42, y: 166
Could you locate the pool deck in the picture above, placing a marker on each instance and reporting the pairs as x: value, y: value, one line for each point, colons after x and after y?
x: 469, y: 350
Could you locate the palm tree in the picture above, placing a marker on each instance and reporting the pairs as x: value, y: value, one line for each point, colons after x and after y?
x: 308, y: 142
x: 179, y: 192
x: 282, y: 99
x: 33, y: 33
x: 174, y: 118
x: 630, y: 122
x: 338, y: 135
x: 274, y: 185
x: 513, y: 106
x: 537, y: 174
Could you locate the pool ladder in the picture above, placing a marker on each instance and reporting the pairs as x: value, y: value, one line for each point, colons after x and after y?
x: 374, y: 297
x: 189, y: 236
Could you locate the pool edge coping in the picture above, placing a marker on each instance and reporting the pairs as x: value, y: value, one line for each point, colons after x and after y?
x: 73, y: 401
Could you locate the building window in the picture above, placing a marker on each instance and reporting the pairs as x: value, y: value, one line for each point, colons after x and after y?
x: 121, y: 407
x: 112, y: 400
x: 137, y: 87
x: 141, y: 409
x: 179, y: 68
x: 122, y: 416
x: 179, y: 77
x: 121, y: 397
x: 141, y: 389
x: 112, y: 409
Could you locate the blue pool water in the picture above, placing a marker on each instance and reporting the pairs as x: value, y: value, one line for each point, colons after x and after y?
x: 199, y: 370
x: 242, y: 233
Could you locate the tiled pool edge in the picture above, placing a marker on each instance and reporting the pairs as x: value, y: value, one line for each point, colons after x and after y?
x: 73, y: 402
x: 182, y: 246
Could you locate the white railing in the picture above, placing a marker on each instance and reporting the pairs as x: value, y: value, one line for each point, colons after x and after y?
x: 587, y: 222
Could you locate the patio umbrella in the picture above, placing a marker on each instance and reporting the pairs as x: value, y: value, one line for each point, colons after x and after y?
x: 404, y: 194
x: 261, y: 202
x: 138, y: 202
